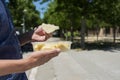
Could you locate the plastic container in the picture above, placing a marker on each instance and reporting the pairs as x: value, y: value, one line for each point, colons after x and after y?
x: 63, y: 45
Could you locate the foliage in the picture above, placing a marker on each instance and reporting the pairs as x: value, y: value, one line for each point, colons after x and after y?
x: 24, y: 9
x: 67, y: 13
x: 107, y: 11
x: 103, y: 13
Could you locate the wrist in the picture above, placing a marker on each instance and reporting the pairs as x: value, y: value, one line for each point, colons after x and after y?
x: 29, y: 63
x: 29, y: 35
x: 26, y: 37
x: 25, y: 64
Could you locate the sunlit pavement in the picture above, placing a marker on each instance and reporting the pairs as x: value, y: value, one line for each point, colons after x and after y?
x: 82, y: 65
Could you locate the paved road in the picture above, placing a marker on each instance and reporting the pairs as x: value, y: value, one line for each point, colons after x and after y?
x: 82, y: 65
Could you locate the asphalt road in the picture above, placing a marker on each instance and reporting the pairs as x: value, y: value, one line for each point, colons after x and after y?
x: 80, y: 65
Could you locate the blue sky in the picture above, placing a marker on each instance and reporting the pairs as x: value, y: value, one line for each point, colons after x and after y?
x: 41, y: 7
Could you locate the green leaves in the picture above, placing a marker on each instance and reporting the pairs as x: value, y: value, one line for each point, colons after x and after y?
x: 67, y: 13
x: 24, y: 9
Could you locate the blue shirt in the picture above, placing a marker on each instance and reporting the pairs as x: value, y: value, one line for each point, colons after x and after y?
x: 9, y: 44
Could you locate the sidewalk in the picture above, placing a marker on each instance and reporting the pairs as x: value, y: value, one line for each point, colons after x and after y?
x: 84, y: 65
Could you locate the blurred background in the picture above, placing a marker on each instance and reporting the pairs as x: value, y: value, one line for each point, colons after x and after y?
x: 93, y: 27
x: 84, y: 22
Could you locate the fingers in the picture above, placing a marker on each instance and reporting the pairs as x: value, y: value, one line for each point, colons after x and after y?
x: 50, y: 52
x: 41, y: 35
x: 41, y: 38
x: 49, y: 57
x: 47, y: 36
x: 41, y: 57
x: 40, y: 31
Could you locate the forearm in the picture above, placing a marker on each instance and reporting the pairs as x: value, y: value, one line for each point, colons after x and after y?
x: 35, y: 59
x: 14, y: 66
x: 26, y: 37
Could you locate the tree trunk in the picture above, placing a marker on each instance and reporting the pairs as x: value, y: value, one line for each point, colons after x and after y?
x: 101, y: 33
x: 117, y: 31
x: 83, y: 25
x: 87, y: 32
x: 97, y: 31
x: 71, y: 38
x: 114, y: 34
x: 111, y: 31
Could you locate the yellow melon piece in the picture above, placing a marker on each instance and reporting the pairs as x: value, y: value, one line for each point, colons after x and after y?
x: 62, y: 46
x: 38, y: 47
x: 49, y: 46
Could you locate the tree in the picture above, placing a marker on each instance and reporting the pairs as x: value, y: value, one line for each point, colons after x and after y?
x: 24, y: 13
x: 108, y: 12
x: 90, y: 12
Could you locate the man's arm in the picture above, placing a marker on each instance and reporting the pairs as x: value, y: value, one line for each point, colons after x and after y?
x: 34, y: 35
x: 12, y: 66
x: 35, y: 59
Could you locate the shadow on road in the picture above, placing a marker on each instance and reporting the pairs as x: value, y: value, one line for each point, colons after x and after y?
x: 106, y: 46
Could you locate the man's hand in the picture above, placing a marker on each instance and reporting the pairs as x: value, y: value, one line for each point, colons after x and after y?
x: 36, y: 59
x: 40, y: 35
x: 40, y: 57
